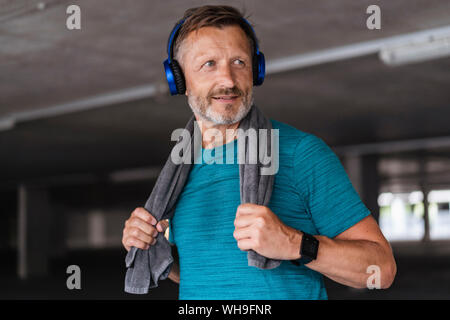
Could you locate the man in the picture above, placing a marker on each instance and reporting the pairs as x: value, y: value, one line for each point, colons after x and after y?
x: 313, y: 201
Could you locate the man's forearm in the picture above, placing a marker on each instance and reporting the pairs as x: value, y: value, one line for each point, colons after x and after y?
x: 346, y: 261
x: 174, y: 273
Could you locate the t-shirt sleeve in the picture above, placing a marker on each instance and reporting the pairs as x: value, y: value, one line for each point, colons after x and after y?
x: 320, y: 178
x: 171, y: 238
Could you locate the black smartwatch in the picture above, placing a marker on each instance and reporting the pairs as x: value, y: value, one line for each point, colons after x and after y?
x: 308, y: 250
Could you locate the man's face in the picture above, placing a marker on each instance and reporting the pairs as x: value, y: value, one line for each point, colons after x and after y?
x: 217, y: 66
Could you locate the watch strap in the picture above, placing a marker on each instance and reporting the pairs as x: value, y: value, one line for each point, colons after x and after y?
x: 308, y: 249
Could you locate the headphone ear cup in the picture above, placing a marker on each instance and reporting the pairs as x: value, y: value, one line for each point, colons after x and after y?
x: 178, y: 77
x: 255, y: 70
x: 259, y: 69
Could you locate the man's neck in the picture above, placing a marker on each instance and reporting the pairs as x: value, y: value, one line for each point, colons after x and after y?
x: 210, y: 136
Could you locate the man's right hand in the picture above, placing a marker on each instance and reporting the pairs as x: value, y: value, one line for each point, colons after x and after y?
x: 141, y: 229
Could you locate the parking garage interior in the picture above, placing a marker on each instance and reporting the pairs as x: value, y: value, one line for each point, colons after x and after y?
x: 86, y: 119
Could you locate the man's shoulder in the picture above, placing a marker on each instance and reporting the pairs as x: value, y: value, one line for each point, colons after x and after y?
x: 290, y: 135
x: 300, y: 144
x: 286, y: 129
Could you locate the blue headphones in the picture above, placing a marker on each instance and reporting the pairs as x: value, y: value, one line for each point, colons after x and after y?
x: 174, y: 74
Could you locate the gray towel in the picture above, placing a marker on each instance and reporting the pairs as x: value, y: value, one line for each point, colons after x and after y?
x: 145, y: 268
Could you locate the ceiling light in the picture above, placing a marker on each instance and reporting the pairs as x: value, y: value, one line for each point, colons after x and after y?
x: 416, y: 50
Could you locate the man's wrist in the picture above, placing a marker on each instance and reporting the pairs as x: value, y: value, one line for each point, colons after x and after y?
x: 295, y: 242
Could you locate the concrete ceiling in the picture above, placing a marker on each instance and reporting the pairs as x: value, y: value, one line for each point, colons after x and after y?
x: 122, y: 45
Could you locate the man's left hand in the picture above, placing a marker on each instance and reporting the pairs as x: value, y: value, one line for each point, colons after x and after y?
x: 258, y: 228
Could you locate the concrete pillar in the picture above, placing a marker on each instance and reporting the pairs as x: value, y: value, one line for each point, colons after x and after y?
x: 425, y: 190
x: 426, y: 216
x: 33, y: 231
x: 352, y: 165
x: 363, y: 173
x: 97, y: 228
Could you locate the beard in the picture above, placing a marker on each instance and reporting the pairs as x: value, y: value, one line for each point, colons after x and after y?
x: 231, y: 114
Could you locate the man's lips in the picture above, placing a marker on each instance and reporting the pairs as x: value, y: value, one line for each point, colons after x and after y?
x: 225, y: 98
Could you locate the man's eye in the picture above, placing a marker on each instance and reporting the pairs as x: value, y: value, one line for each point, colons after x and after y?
x: 209, y: 63
x: 238, y: 61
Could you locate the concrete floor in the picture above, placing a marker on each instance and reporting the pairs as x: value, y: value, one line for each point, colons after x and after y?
x: 418, y: 277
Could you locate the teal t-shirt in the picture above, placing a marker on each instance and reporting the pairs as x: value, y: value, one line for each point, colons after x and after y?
x: 311, y: 193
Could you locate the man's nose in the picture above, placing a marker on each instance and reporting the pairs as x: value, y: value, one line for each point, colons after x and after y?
x: 225, y: 76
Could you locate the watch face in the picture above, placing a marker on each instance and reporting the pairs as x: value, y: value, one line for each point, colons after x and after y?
x: 310, y: 246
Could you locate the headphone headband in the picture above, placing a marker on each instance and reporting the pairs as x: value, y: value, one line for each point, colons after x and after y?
x: 171, y: 39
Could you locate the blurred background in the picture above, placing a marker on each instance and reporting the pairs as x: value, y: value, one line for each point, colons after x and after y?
x: 86, y: 118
